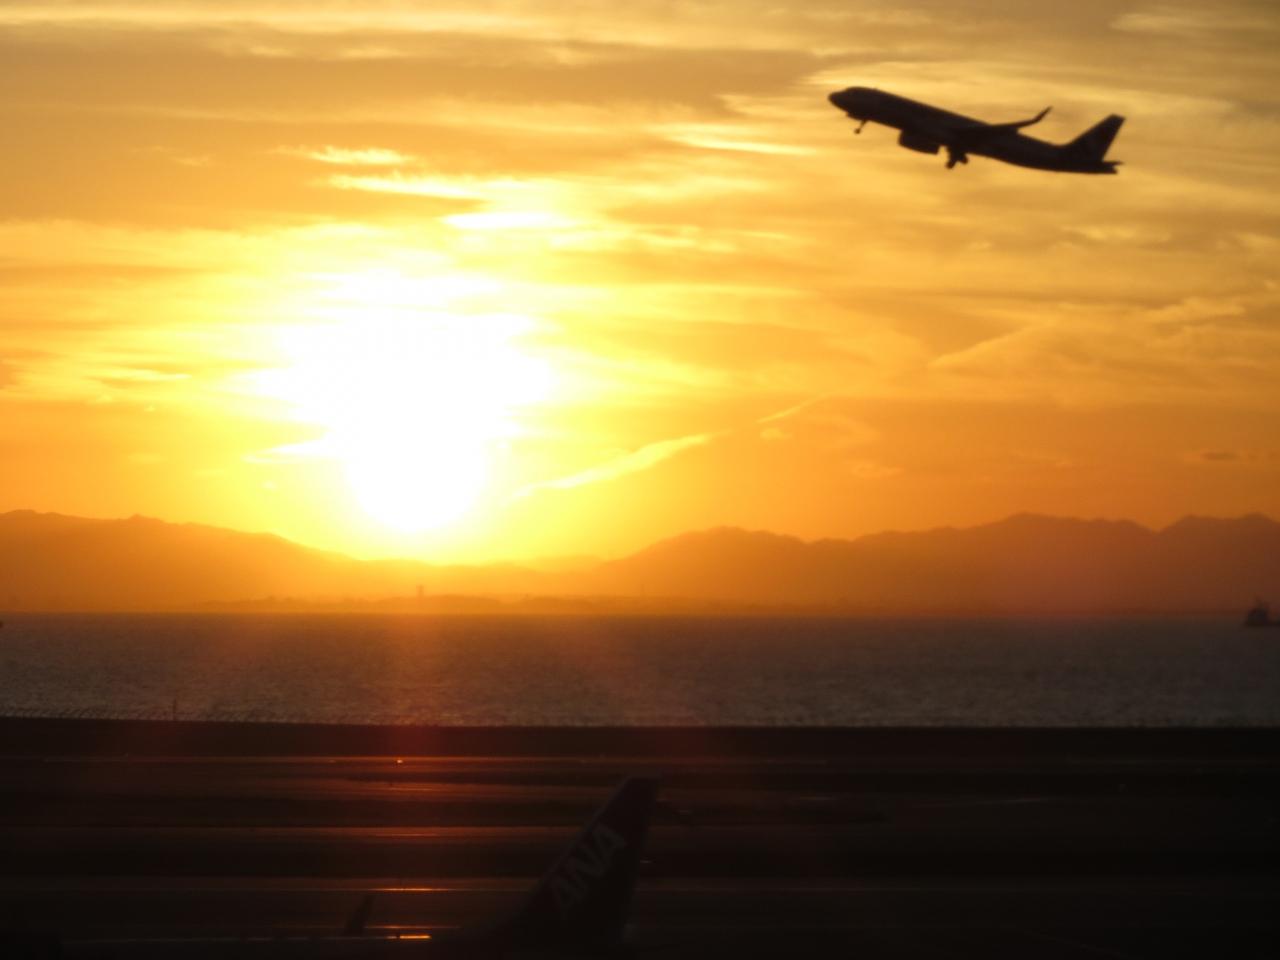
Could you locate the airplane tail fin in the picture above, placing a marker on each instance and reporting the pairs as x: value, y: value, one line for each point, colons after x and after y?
x: 1093, y: 144
x: 359, y: 917
x: 583, y: 900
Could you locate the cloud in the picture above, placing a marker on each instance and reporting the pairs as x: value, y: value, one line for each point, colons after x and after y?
x: 793, y: 410
x: 1194, y: 24
x: 324, y: 447
x: 504, y: 220
x: 333, y: 18
x: 637, y: 460
x: 1196, y: 353
x: 1197, y: 310
x: 126, y: 376
x: 413, y: 186
x: 347, y: 157
x: 730, y: 137
x: 826, y: 428
x: 754, y: 25
x: 1219, y: 456
x: 871, y: 470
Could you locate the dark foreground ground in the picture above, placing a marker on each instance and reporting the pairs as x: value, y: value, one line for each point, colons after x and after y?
x: 780, y: 843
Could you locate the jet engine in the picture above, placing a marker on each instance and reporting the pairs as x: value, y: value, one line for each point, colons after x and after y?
x: 913, y: 141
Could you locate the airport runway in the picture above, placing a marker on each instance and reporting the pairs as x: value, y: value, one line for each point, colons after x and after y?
x: 1053, y: 853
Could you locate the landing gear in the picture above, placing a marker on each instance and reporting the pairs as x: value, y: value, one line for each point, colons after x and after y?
x: 860, y: 126
x: 956, y: 156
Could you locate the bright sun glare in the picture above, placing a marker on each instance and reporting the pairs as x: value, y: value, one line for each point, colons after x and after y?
x: 414, y: 400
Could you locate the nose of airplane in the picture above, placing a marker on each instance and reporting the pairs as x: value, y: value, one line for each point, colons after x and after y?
x: 845, y: 100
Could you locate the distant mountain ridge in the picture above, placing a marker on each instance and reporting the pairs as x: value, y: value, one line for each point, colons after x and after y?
x: 50, y: 561
x: 1024, y: 565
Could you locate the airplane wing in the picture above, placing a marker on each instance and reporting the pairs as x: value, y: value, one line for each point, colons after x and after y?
x: 1019, y: 124
x: 970, y: 136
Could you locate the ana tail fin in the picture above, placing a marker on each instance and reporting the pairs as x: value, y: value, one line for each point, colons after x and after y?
x: 583, y: 900
x: 1094, y: 143
x: 359, y: 917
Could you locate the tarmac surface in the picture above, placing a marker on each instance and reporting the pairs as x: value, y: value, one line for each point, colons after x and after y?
x: 891, y: 844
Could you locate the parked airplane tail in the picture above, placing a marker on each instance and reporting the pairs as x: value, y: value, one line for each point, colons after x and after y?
x: 578, y: 908
x: 582, y: 901
x: 1093, y: 144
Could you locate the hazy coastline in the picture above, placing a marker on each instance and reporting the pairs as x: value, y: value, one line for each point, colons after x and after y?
x: 1023, y: 566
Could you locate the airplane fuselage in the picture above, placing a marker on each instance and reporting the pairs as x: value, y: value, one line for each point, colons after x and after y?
x: 929, y: 129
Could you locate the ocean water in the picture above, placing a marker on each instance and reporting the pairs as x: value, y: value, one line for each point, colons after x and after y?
x: 641, y: 670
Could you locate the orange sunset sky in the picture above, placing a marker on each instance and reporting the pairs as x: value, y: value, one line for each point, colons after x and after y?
x: 483, y: 280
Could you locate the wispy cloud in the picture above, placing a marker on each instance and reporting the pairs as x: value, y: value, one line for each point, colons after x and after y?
x: 788, y: 412
x: 653, y: 454
x: 637, y: 460
x: 412, y: 186
x: 1195, y: 23
x: 228, y: 13
x: 735, y: 138
x: 348, y: 157
x: 756, y: 25
x: 1226, y: 456
x: 871, y: 470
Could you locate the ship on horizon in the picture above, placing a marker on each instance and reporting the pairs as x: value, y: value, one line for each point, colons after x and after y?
x: 1260, y: 616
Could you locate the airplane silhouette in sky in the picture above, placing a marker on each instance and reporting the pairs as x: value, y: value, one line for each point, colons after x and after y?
x: 578, y: 909
x: 929, y: 129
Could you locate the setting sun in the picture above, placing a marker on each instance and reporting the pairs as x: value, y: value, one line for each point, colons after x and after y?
x: 412, y: 402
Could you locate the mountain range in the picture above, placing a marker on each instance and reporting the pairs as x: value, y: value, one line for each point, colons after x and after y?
x: 1024, y: 565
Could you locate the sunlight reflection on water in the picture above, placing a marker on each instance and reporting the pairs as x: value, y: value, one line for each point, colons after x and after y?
x: 641, y: 670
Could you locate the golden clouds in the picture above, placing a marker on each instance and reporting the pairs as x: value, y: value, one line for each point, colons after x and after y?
x: 690, y: 239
